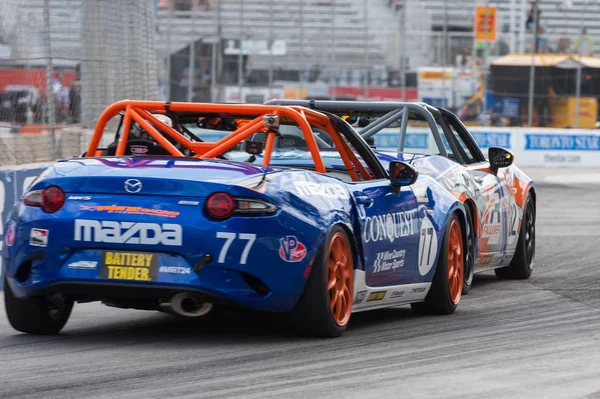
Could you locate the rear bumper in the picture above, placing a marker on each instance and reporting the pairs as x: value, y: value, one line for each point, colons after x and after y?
x: 218, y: 284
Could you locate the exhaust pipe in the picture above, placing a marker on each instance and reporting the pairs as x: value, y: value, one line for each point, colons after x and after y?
x: 187, y: 305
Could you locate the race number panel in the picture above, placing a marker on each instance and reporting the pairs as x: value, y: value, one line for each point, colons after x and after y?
x: 427, y: 246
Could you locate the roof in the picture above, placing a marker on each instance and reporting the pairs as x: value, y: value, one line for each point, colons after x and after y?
x: 547, y: 60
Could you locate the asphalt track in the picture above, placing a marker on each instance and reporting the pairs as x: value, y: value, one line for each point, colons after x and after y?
x: 520, y: 339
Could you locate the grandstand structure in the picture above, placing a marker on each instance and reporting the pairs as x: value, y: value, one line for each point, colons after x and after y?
x: 340, y: 34
x: 345, y: 37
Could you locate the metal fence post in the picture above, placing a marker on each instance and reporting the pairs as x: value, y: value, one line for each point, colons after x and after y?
x: 403, y: 50
x: 332, y: 67
x: 241, y: 55
x: 49, y: 89
x: 532, y: 69
x: 302, y: 63
x: 270, y: 44
x: 366, y: 50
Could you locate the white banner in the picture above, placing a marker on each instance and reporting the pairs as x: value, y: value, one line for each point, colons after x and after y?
x: 531, y: 146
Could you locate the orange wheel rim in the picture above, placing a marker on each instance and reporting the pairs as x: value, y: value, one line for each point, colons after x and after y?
x: 456, y: 262
x: 340, y: 279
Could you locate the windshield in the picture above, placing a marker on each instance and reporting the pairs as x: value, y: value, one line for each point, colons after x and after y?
x: 290, y: 147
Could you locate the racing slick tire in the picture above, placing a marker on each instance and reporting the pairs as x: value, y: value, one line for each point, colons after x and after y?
x: 446, y: 288
x: 37, y: 315
x: 469, y: 255
x: 325, y: 306
x: 521, y: 266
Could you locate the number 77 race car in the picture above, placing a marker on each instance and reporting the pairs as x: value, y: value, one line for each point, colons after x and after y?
x: 499, y: 198
x: 274, y: 208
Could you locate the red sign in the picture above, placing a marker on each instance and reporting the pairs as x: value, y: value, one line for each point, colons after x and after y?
x: 30, y: 77
x: 375, y: 93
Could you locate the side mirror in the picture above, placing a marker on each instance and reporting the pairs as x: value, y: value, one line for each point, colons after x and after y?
x: 402, y: 174
x: 500, y: 158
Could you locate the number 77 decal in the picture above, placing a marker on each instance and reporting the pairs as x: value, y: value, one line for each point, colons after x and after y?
x: 427, y: 247
x: 229, y: 237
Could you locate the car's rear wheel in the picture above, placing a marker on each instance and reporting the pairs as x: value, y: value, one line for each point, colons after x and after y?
x: 446, y: 288
x: 469, y: 254
x: 43, y: 315
x: 521, y: 265
x: 325, y: 306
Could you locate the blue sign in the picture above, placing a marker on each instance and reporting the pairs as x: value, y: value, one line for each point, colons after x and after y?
x: 492, y: 139
x: 562, y: 142
x: 511, y: 107
x: 390, y: 140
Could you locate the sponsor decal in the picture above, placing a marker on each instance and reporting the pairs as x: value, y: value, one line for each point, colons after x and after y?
x: 135, y: 266
x: 11, y: 231
x: 83, y: 264
x: 174, y: 270
x: 291, y: 250
x: 397, y: 294
x: 128, y: 232
x: 389, y: 260
x: 360, y: 296
x: 484, y: 260
x: 38, y: 237
x: 417, y: 290
x: 562, y: 142
x: 376, y: 296
x: 79, y: 197
x: 390, y: 226
x: 138, y: 149
x: 327, y: 190
x: 191, y: 203
x: 492, y: 231
x: 497, y: 259
x: 130, y: 210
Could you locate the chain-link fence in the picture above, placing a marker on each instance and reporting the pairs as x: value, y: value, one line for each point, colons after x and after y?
x: 62, y: 62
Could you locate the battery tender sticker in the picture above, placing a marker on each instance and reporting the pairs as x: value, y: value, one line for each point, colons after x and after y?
x: 131, y: 266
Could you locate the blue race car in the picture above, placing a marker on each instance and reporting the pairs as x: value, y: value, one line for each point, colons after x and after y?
x: 264, y: 207
x: 499, y: 199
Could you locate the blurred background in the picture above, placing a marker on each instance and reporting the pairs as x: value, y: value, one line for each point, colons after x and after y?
x: 496, y: 63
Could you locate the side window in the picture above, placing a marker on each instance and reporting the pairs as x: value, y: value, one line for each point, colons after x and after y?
x: 467, y: 154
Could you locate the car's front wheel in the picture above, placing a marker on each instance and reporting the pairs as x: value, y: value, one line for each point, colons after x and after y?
x: 521, y: 265
x: 325, y: 306
x: 43, y: 315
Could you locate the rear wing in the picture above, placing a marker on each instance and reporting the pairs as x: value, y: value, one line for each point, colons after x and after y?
x: 386, y: 112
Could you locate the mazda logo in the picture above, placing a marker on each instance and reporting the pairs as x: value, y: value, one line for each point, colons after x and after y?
x: 133, y: 186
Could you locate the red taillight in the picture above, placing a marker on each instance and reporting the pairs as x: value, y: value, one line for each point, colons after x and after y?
x: 51, y: 199
x: 220, y: 205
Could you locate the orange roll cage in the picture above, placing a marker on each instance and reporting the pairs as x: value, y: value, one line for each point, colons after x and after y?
x: 141, y: 112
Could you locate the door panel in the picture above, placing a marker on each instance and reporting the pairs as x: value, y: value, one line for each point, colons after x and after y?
x: 390, y: 228
x: 496, y: 215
